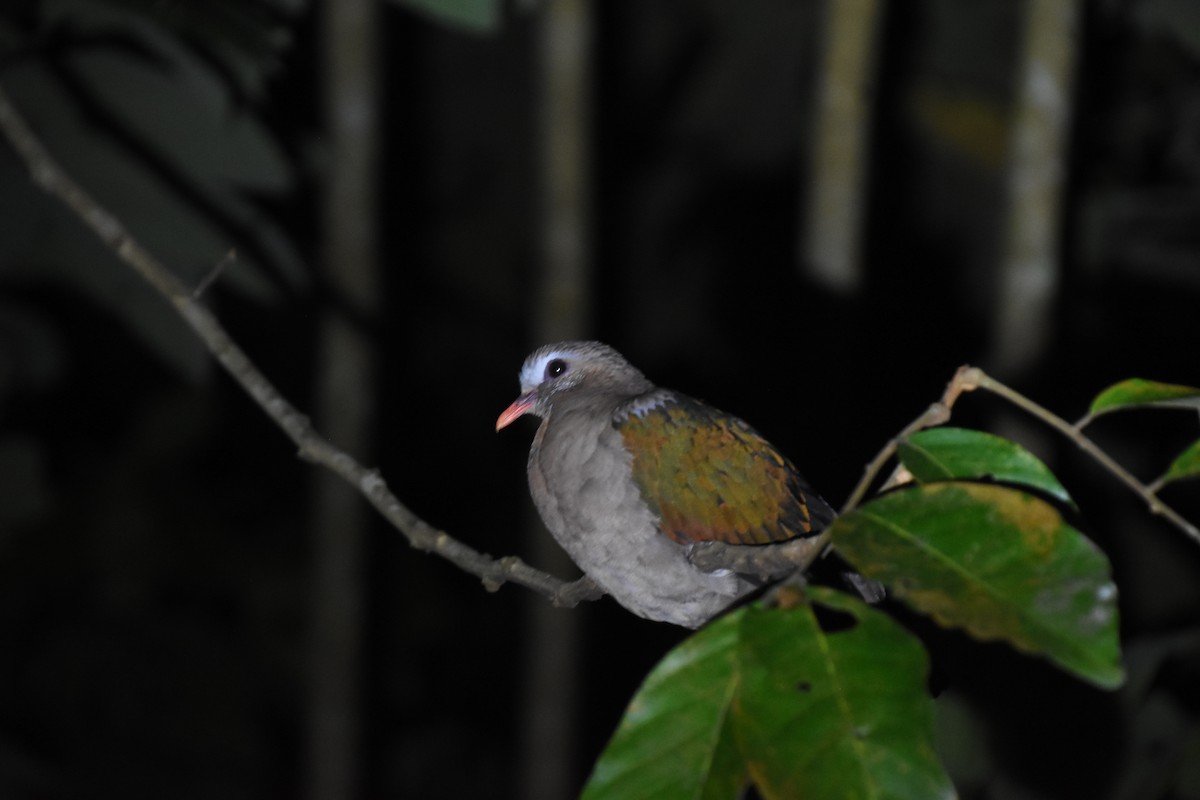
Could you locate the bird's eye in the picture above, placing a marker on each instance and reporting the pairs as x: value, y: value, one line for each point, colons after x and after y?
x: 555, y: 368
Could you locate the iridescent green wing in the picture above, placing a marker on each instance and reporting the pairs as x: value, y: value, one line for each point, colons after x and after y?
x: 709, y: 476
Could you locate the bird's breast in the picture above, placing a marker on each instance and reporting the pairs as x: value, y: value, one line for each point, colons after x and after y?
x: 579, y: 472
x: 580, y: 476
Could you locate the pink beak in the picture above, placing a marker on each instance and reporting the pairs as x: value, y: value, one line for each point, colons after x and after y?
x: 519, y: 407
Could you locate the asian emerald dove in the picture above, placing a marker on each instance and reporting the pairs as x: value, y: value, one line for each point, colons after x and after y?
x: 627, y: 475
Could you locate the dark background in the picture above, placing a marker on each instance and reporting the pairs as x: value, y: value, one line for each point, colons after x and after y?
x: 156, y: 551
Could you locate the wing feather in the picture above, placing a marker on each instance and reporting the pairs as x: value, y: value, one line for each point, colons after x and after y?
x: 708, y: 476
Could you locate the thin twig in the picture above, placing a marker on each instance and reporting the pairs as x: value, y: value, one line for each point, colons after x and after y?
x: 49, y: 176
x: 214, y: 273
x: 936, y: 414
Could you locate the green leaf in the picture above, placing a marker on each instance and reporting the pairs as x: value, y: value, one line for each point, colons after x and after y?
x: 808, y: 713
x: 941, y: 454
x: 998, y: 562
x: 480, y: 16
x: 675, y: 740
x: 1138, y: 392
x: 1185, y: 465
x: 836, y: 715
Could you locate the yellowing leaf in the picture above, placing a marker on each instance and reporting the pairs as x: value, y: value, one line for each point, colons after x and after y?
x: 997, y: 562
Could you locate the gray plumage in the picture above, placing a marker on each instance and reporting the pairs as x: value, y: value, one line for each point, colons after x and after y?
x: 598, y: 415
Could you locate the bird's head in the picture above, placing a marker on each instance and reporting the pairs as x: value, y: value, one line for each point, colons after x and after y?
x: 572, y: 368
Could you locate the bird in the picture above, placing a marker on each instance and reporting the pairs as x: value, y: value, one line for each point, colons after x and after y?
x: 627, y: 476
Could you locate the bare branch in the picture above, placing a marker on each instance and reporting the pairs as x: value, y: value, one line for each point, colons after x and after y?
x: 49, y: 176
x: 936, y: 414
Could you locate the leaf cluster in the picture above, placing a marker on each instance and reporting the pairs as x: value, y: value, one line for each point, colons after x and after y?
x: 813, y: 693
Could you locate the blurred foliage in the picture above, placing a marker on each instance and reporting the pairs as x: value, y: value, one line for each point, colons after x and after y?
x: 244, y: 39
x: 107, y: 559
x: 1139, y: 216
x: 481, y: 16
x: 144, y: 103
x: 975, y: 126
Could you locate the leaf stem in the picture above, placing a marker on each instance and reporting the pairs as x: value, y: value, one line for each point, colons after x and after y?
x: 1076, y: 435
x: 937, y: 414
